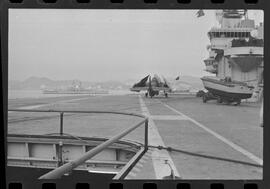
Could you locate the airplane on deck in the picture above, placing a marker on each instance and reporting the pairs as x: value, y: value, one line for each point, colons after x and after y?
x: 152, y: 86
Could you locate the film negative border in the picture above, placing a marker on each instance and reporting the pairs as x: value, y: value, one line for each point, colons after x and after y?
x: 141, y: 184
x: 124, y: 1
x: 139, y: 4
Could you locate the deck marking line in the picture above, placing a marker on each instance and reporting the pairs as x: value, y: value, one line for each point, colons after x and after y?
x: 136, y: 169
x: 49, y: 104
x: 158, y: 156
x: 132, y: 174
x: 144, y: 157
x: 218, y: 136
x: 167, y: 117
x: 139, y: 165
x: 72, y: 100
x: 142, y: 160
x: 147, y: 155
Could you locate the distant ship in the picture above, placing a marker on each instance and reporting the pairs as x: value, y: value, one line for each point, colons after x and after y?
x: 76, y: 88
x: 235, y: 57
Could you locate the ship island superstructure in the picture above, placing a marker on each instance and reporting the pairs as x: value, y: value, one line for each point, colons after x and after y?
x: 236, y: 51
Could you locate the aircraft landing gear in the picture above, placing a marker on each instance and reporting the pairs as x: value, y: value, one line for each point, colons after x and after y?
x: 232, y: 101
x: 237, y: 102
x: 209, y: 96
x: 219, y: 100
x: 204, y: 98
x: 152, y: 93
x: 166, y: 95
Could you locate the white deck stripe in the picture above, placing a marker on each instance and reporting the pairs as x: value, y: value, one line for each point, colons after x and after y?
x: 57, y: 102
x: 143, y: 160
x: 72, y: 100
x: 139, y: 164
x: 136, y: 169
x: 167, y: 117
x: 131, y: 174
x: 226, y: 141
x: 158, y: 156
x: 32, y: 107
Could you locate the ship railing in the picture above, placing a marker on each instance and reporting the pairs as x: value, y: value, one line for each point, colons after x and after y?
x: 68, y: 167
x: 243, y: 43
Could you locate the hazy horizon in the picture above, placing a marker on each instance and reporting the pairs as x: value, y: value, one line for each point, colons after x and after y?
x: 108, y: 45
x: 124, y: 79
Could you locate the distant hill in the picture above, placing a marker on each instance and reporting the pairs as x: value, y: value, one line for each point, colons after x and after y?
x: 36, y: 83
x: 184, y: 82
x: 187, y: 82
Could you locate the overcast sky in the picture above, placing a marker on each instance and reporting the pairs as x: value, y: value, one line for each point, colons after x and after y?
x: 101, y: 45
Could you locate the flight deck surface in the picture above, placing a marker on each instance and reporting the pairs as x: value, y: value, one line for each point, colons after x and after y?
x: 207, y: 140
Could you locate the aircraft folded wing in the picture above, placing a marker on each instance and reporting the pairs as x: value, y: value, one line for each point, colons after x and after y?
x: 138, y: 89
x: 141, y: 85
x: 166, y: 89
x: 167, y: 85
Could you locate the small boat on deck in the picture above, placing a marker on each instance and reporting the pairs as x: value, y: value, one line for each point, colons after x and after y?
x: 226, y: 90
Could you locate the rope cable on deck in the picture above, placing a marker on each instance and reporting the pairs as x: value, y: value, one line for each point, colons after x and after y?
x: 58, y: 172
x: 134, y: 107
x: 80, y: 115
x: 170, y: 149
x: 85, y: 141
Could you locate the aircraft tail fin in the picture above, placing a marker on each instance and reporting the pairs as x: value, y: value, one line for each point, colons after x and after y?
x: 166, y: 83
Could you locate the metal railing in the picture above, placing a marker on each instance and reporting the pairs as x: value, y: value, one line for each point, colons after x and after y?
x: 66, y: 168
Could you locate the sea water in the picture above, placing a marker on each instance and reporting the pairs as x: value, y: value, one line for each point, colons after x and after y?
x: 18, y: 94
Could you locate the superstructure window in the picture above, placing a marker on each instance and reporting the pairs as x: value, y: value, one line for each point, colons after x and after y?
x: 211, y: 35
x: 222, y: 34
x: 228, y: 34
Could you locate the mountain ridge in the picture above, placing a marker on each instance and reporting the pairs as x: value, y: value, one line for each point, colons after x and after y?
x: 37, y: 83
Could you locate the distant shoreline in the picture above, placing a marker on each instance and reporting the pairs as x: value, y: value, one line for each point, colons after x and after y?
x: 37, y: 94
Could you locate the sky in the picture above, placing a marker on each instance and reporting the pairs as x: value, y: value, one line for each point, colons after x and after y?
x: 105, y: 45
